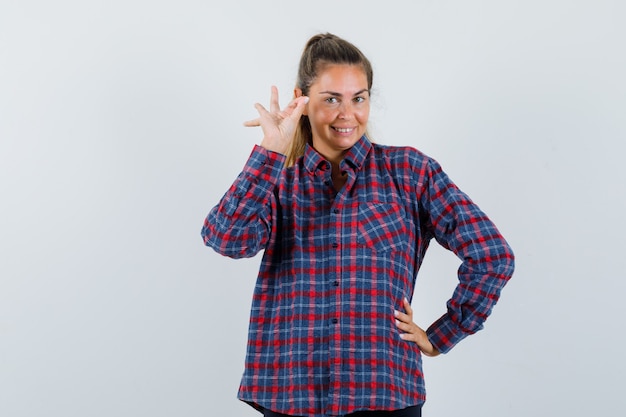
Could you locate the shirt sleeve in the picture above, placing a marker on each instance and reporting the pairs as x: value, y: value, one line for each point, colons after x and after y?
x: 239, y: 225
x: 459, y: 225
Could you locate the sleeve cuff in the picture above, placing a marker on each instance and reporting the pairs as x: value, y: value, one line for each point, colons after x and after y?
x: 265, y: 164
x: 444, y: 334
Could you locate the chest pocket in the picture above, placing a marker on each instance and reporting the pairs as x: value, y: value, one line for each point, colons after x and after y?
x: 382, y: 226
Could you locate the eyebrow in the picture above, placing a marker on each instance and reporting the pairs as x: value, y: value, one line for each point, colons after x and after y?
x: 332, y: 93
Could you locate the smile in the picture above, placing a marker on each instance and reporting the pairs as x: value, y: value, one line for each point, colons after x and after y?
x: 343, y: 130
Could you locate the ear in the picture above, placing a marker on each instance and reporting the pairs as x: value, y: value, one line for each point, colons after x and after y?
x: 297, y: 92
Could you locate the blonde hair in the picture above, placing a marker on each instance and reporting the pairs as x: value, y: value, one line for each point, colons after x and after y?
x: 322, y: 50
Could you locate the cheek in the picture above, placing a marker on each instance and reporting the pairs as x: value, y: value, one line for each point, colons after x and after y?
x: 321, y: 116
x: 363, y: 115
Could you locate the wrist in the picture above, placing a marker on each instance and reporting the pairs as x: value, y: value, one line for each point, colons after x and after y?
x: 274, y: 146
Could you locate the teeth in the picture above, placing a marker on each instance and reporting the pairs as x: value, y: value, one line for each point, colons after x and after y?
x: 343, y: 130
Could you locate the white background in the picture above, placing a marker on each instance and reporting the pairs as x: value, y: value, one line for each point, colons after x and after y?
x: 121, y: 126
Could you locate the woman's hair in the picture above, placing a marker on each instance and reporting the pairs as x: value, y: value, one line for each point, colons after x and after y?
x: 320, y: 51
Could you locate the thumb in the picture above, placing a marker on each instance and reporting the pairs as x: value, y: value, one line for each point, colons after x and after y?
x: 300, y: 106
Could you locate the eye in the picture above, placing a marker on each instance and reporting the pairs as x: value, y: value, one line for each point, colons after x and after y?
x: 331, y: 100
x: 359, y: 99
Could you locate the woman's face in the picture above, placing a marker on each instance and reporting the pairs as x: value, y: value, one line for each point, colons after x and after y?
x: 338, y: 109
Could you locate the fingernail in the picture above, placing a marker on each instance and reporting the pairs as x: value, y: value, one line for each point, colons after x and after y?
x: 396, y: 313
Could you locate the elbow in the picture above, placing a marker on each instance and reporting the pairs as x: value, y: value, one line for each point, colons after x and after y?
x: 506, y: 265
x: 209, y: 237
x: 227, y: 243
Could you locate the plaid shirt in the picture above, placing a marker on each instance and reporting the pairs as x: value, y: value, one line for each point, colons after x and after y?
x: 322, y: 339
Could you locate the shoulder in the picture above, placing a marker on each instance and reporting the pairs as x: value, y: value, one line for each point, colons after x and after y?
x: 405, y: 158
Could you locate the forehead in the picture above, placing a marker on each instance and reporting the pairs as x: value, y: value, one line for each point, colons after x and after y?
x: 340, y: 78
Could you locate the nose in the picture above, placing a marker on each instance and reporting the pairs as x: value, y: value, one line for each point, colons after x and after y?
x: 346, y: 110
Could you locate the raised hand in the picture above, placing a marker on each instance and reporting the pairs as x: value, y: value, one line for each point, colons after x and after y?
x: 279, y: 126
x: 412, y: 332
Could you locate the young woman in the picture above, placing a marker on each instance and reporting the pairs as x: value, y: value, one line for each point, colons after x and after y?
x: 344, y: 225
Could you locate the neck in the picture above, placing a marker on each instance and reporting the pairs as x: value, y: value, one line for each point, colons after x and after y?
x: 339, y: 179
x: 335, y: 168
x: 334, y: 156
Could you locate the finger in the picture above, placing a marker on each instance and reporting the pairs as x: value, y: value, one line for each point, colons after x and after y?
x: 405, y: 318
x: 297, y: 102
x: 409, y: 326
x: 407, y: 307
x: 408, y: 337
x: 252, y: 123
x: 274, y: 106
x: 417, y: 335
x: 262, y: 110
x: 405, y: 327
x: 299, y: 105
x: 256, y: 122
x: 295, y: 109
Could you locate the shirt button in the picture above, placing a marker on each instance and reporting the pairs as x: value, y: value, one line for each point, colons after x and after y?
x: 335, y: 321
x: 335, y: 245
x: 336, y: 283
x: 336, y: 211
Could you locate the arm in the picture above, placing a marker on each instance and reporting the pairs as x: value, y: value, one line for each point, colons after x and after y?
x: 240, y: 225
x: 488, y: 261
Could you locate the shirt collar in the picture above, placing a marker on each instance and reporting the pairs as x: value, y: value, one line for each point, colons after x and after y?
x: 355, y: 155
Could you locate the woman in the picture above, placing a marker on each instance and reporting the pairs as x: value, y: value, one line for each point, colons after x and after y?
x: 344, y: 225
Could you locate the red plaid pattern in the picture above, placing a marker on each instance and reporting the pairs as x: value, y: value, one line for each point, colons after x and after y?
x: 322, y: 339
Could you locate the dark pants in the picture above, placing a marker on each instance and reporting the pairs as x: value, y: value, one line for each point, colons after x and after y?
x: 415, y: 411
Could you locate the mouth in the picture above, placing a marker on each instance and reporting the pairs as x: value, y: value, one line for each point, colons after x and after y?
x: 344, y: 130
